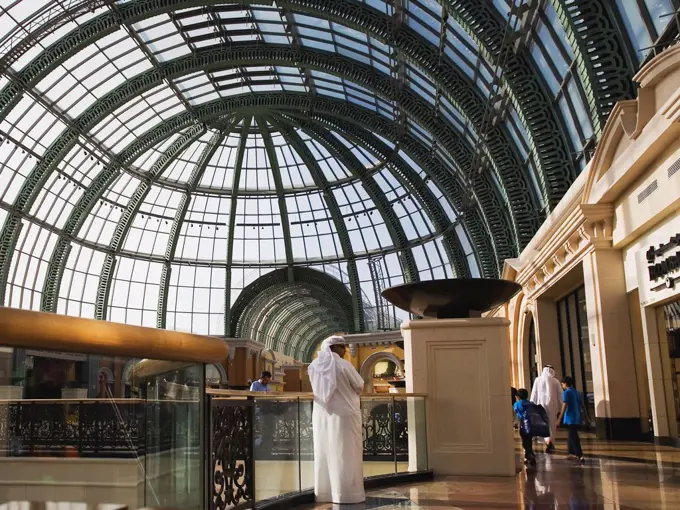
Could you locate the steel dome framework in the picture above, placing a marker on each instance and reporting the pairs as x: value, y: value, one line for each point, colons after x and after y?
x: 161, y: 156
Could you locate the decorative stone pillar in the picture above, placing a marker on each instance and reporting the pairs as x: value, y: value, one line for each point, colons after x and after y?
x: 463, y: 365
x: 659, y: 373
x: 617, y: 412
x: 243, y: 359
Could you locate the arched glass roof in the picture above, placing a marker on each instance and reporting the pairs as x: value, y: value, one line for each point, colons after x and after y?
x: 160, y: 156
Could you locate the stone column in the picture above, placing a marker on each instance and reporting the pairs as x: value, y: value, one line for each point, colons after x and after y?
x: 617, y: 411
x: 659, y: 373
x: 463, y: 365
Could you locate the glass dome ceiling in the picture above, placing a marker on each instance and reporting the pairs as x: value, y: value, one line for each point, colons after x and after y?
x: 178, y: 164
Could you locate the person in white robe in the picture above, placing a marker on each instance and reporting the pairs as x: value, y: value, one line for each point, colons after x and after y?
x: 336, y: 424
x: 547, y: 392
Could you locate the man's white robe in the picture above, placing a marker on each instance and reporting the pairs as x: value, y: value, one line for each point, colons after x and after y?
x: 547, y: 392
x: 338, y: 437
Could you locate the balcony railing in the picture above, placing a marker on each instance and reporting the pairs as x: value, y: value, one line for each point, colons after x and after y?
x: 92, y: 428
x: 174, y: 444
x: 262, y: 444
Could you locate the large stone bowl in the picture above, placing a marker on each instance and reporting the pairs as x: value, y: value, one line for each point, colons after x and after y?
x: 451, y: 299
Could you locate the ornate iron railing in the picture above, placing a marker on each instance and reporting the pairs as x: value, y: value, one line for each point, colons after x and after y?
x: 91, y: 428
x: 284, y: 431
x: 247, y: 428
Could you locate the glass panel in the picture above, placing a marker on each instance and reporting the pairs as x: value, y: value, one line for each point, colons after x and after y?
x: 277, y: 447
x: 640, y: 38
x: 173, y: 460
x: 107, y: 430
x: 575, y: 346
x: 672, y: 323
x: 306, y: 445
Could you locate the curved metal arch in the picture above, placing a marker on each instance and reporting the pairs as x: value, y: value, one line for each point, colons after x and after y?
x: 195, y: 177
x: 311, y: 338
x: 282, y: 303
x: 502, y: 148
x: 315, y: 319
x: 310, y: 335
x: 126, y: 91
x: 307, y: 320
x: 217, y: 110
x: 311, y: 277
x: 297, y: 322
x: 451, y: 81
x: 547, y: 135
x: 602, y: 61
x: 356, y: 168
x: 475, y: 219
x: 260, y: 314
x: 331, y: 203
x: 411, y: 181
x: 278, y: 184
x: 238, y: 164
x: 309, y: 353
x: 488, y: 220
x: 57, y: 261
x: 109, y: 266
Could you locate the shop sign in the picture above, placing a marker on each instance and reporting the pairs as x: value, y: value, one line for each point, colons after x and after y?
x: 666, y: 266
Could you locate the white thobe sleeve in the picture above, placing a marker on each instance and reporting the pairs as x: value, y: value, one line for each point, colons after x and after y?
x: 355, y: 379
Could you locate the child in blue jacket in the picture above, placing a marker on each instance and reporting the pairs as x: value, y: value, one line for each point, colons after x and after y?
x: 520, y: 408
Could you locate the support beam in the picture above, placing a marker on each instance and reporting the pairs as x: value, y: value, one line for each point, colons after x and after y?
x: 357, y: 169
x: 238, y: 164
x: 278, y: 184
x: 412, y: 182
x: 548, y: 141
x: 506, y: 163
x: 55, y: 269
x: 320, y: 180
x: 180, y: 214
x: 602, y: 61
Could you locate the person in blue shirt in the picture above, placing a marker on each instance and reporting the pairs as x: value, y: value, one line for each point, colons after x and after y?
x: 262, y: 406
x: 262, y: 384
x: 570, y: 416
x: 520, y: 408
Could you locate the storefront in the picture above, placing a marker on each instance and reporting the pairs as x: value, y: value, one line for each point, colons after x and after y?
x: 600, y: 280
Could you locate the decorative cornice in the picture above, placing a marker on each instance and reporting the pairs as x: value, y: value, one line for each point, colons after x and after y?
x: 585, y: 227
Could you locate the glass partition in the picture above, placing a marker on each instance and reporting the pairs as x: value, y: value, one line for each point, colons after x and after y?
x: 173, y: 459
x: 278, y: 459
x: 100, y: 430
x: 277, y: 446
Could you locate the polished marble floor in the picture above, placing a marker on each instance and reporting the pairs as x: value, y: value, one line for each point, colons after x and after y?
x: 617, y: 476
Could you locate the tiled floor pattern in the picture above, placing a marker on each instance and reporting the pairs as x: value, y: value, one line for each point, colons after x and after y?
x: 648, y: 479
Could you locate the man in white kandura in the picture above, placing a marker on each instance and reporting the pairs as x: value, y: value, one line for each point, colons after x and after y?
x: 547, y: 392
x: 336, y: 422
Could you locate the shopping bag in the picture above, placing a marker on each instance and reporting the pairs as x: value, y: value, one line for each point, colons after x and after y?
x: 536, y: 422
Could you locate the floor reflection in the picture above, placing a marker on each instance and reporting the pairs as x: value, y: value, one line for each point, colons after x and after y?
x: 555, y: 483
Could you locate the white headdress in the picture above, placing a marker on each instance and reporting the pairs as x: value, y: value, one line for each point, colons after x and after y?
x: 323, y: 372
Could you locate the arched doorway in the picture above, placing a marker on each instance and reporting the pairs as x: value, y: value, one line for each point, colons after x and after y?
x: 369, y: 364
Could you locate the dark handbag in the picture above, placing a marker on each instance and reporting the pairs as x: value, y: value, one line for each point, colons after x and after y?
x: 536, y: 422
